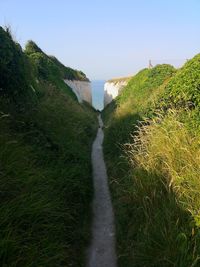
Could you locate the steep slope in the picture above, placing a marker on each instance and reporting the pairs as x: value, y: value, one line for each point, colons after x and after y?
x: 154, y: 129
x: 48, y: 67
x: 82, y: 90
x: 113, y: 87
x: 45, y: 171
x: 122, y: 114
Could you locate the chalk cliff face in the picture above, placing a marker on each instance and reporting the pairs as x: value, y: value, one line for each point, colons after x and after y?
x: 112, y: 88
x: 82, y: 90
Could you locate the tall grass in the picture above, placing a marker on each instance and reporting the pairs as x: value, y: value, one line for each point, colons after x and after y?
x: 152, y: 150
x: 45, y: 166
x: 46, y: 184
x: 165, y: 159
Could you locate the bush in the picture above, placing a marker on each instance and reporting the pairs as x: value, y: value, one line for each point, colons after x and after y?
x: 184, y: 89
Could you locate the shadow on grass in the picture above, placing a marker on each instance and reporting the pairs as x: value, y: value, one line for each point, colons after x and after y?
x: 153, y: 227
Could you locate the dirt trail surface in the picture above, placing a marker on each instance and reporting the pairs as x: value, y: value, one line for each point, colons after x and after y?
x: 101, y: 252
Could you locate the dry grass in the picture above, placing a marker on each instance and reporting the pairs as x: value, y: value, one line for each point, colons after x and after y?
x: 156, y: 196
x: 166, y: 147
x: 165, y: 193
x: 119, y: 79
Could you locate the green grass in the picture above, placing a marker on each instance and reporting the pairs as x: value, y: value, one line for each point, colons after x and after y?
x: 45, y: 168
x: 165, y: 160
x: 47, y: 66
x: 140, y: 94
x: 154, y: 128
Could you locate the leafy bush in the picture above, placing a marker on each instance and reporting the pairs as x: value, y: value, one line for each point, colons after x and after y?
x: 184, y: 89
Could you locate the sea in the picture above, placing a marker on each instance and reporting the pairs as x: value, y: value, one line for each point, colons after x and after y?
x: 98, y: 94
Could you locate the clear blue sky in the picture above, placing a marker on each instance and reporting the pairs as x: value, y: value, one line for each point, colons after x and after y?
x: 107, y: 38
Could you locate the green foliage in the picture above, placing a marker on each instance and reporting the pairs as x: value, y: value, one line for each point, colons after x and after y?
x: 184, y: 89
x: 49, y: 67
x: 70, y: 73
x: 45, y: 168
x: 15, y: 69
x: 146, y: 83
x: 155, y: 187
x: 139, y: 96
x: 31, y: 48
x: 165, y: 163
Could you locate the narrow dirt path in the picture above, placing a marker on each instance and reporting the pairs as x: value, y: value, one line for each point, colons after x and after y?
x: 101, y: 252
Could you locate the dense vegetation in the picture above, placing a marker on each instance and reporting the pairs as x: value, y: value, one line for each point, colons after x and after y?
x: 48, y: 66
x: 152, y: 150
x: 45, y: 172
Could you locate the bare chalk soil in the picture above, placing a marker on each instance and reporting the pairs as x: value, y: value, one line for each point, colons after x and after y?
x: 101, y: 252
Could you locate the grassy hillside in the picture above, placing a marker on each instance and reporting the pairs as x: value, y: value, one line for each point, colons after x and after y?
x: 154, y: 128
x: 45, y: 171
x: 140, y: 94
x: 48, y: 66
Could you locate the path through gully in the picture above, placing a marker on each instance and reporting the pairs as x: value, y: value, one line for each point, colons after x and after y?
x: 101, y: 252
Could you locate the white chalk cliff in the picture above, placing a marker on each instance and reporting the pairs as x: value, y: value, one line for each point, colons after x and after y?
x: 112, y: 89
x: 82, y: 90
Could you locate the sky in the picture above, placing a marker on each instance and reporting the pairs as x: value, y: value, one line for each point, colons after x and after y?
x: 107, y: 38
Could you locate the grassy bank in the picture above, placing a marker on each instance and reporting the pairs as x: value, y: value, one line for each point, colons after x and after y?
x: 154, y: 126
x: 45, y: 171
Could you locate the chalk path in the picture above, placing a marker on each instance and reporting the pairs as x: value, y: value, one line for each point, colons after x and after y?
x: 101, y: 252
